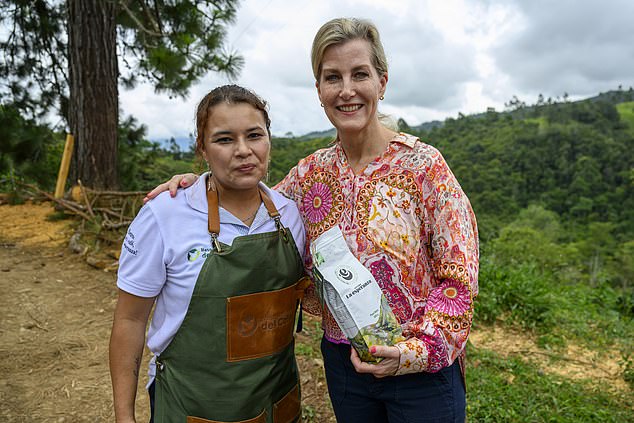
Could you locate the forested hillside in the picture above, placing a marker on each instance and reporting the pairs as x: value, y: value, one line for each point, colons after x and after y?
x: 560, y: 173
x: 574, y: 159
x: 554, y: 182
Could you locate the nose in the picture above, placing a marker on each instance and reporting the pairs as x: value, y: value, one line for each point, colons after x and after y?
x: 242, y: 147
x: 347, y: 89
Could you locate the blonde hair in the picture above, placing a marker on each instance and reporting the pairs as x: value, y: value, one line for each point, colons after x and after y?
x: 340, y: 30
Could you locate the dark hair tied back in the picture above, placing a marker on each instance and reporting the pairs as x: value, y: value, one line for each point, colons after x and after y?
x: 230, y: 94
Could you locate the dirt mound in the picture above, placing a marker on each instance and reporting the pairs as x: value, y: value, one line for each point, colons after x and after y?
x: 33, y: 225
x: 574, y: 362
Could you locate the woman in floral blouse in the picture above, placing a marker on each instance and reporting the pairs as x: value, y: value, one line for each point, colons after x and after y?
x: 405, y: 218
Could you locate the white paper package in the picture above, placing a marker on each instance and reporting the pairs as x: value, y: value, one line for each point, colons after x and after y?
x: 352, y: 295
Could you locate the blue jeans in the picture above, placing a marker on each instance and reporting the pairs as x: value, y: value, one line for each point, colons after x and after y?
x: 150, y: 392
x: 411, y: 398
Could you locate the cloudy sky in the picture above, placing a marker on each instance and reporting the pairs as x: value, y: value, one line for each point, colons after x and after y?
x: 445, y: 57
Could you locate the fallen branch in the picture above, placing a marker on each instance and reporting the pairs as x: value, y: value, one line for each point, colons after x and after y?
x: 64, y: 203
x: 117, y: 193
x: 123, y: 213
x: 85, y: 196
x: 37, y: 323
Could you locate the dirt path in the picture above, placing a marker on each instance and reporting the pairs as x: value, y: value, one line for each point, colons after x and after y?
x: 56, y: 315
x: 55, y: 319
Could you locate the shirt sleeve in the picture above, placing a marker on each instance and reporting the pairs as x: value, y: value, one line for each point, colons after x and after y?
x: 297, y: 228
x: 290, y: 188
x: 438, y: 338
x: 142, y: 269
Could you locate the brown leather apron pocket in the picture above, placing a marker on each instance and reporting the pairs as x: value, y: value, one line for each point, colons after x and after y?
x: 287, y: 409
x: 259, y: 419
x: 261, y: 324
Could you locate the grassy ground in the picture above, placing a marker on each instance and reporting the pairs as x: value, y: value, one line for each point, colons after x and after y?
x: 510, y: 378
x: 513, y: 389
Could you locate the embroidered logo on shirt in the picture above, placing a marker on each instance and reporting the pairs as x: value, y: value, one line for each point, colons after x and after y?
x: 128, y: 243
x: 196, y: 253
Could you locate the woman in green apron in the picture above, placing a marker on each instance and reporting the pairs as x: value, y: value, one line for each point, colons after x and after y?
x: 223, y: 272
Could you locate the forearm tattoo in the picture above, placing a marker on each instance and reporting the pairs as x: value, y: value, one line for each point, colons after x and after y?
x: 137, y: 362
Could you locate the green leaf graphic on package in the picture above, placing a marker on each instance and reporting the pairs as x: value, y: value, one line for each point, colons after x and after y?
x: 352, y: 295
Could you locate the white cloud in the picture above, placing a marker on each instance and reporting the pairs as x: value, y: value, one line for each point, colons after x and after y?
x: 445, y: 57
x: 570, y: 46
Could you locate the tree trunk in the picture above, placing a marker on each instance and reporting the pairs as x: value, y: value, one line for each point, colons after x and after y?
x: 94, y: 101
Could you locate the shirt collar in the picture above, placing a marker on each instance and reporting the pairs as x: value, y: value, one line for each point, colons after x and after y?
x: 400, y: 138
x: 406, y: 139
x: 196, y: 197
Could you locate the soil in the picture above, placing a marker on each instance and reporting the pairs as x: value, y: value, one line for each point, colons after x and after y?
x: 55, y: 320
x: 56, y: 314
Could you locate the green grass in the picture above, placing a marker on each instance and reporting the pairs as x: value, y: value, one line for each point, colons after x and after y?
x: 626, y: 112
x: 535, y: 301
x: 510, y: 390
x: 58, y: 215
x: 541, y: 122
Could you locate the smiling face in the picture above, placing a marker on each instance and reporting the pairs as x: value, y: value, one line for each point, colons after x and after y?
x: 349, y: 86
x: 236, y: 145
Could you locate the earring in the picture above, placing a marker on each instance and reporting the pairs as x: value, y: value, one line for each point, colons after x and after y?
x: 321, y: 104
x: 211, y: 186
x: 382, y: 97
x: 268, y: 172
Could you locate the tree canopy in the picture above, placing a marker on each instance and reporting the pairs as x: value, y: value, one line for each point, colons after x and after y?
x: 60, y: 58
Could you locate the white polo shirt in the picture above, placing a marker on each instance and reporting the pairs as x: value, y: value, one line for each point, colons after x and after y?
x: 167, y: 244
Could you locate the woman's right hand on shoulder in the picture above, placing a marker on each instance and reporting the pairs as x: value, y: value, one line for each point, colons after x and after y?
x: 177, y: 181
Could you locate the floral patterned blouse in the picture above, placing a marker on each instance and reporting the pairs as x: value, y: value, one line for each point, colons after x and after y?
x: 406, y: 219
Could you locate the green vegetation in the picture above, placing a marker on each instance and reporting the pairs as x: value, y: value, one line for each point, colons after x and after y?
x: 28, y: 150
x: 552, y: 186
x: 31, y: 152
x: 44, y: 44
x: 626, y: 113
x: 513, y: 390
x: 286, y: 152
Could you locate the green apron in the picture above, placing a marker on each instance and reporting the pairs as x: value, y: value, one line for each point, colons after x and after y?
x: 232, y: 358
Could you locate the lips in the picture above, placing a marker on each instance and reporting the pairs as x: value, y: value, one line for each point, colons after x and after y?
x: 349, y: 107
x: 246, y: 167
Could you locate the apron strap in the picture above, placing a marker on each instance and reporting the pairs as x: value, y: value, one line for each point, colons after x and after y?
x: 213, y: 216
x: 270, y: 207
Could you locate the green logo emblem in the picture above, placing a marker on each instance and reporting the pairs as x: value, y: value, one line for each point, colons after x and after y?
x: 193, y: 254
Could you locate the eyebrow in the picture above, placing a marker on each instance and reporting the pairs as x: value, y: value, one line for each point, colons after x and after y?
x: 255, y: 128
x: 354, y: 69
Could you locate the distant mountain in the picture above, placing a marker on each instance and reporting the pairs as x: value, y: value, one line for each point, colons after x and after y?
x: 184, y: 143
x: 330, y: 133
x: 614, y: 97
x: 521, y: 110
x: 428, y: 126
x: 518, y: 110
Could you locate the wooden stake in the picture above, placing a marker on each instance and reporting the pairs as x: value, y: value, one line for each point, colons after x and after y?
x: 64, y: 165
